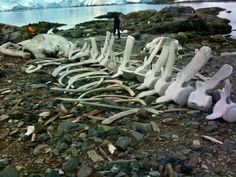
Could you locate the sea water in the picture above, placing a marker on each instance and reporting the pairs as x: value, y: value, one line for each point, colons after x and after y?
x: 75, y: 15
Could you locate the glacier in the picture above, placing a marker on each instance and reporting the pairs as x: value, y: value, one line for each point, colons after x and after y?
x: 8, y: 5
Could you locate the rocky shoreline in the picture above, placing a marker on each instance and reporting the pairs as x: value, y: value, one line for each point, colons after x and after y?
x: 166, y: 145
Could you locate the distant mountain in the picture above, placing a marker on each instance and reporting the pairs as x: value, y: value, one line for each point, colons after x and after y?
x: 8, y: 5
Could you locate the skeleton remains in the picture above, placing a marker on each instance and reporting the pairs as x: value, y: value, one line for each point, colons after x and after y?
x: 99, y: 68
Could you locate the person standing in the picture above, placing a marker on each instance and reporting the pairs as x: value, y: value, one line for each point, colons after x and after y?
x: 116, y: 25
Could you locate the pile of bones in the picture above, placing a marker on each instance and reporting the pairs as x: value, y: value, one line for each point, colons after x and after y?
x: 98, y: 71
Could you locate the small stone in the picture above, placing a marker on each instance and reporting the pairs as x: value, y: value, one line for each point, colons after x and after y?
x: 38, y: 149
x: 155, y: 127
x: 180, y: 156
x: 138, y: 136
x: 9, y: 171
x: 4, y: 163
x: 135, y: 166
x: 44, y: 114
x: 84, y: 171
x: 71, y: 164
x: 4, y: 117
x: 142, y: 127
x: 149, y: 165
x: 154, y: 173
x: 122, y: 142
x: 204, y: 167
x: 93, y: 155
x: 68, y: 126
x: 121, y: 174
x: 53, y: 173
x: 115, y: 169
x: 211, y: 128
x: 196, y: 142
x: 175, y: 137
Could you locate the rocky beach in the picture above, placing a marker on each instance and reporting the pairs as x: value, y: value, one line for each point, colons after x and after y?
x: 70, y: 140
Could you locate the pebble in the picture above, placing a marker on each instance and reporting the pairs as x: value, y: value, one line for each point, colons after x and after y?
x: 155, y: 127
x: 53, y: 173
x: 122, y: 142
x: 138, y: 136
x: 38, y: 149
x: 93, y: 155
x: 149, y: 165
x: 71, y: 164
x: 44, y: 114
x: 84, y: 171
x: 142, y: 127
x: 154, y: 173
x: 9, y: 171
x: 180, y: 156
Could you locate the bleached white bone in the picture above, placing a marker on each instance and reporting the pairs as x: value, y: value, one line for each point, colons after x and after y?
x: 77, y: 77
x: 151, y: 45
x: 105, y: 45
x: 163, y: 83
x: 199, y: 99
x: 126, y: 56
x: 13, y: 50
x: 152, y: 75
x: 106, y: 59
x: 147, y: 62
x: 177, y: 91
x: 94, y: 49
x: 224, y: 108
x: 73, y: 71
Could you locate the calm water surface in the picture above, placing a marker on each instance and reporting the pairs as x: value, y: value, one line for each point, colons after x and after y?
x: 72, y: 16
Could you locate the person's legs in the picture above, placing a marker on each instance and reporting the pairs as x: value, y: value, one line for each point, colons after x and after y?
x: 114, y: 30
x: 118, y: 29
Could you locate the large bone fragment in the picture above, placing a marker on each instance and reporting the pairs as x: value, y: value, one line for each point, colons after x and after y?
x: 105, y: 46
x: 94, y: 49
x: 153, y: 75
x: 13, y: 50
x: 177, y: 91
x: 199, y: 99
x: 107, y: 56
x: 144, y: 68
x: 163, y: 83
x: 224, y: 108
x: 126, y: 56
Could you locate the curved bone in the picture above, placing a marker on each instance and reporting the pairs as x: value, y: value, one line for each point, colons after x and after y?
x: 126, y: 56
x: 198, y: 99
x: 144, y: 68
x: 77, y: 77
x: 176, y: 91
x: 13, y: 50
x: 152, y: 75
x: 33, y: 68
x: 131, y: 92
x: 224, y: 108
x: 62, y: 67
x: 81, y: 53
x: 76, y: 53
x: 66, y: 73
